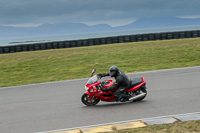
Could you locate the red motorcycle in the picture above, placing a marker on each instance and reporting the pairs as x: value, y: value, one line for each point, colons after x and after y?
x: 94, y: 94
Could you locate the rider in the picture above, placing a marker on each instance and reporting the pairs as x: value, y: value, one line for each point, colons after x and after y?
x: 121, y: 80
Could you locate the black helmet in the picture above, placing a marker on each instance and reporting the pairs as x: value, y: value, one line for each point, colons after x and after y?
x: 113, y: 71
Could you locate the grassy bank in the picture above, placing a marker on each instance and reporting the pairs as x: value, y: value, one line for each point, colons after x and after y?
x: 62, y: 64
x: 180, y: 127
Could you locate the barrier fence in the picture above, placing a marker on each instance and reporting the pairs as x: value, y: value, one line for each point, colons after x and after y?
x: 99, y: 41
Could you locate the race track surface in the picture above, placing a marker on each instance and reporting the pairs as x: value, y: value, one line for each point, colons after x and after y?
x: 57, y: 105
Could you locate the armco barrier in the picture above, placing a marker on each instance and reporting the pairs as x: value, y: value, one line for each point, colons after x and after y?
x: 99, y: 41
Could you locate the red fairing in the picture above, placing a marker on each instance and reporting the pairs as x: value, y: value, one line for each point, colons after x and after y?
x: 110, y: 84
x: 93, y: 91
x: 138, y: 86
x: 95, y: 84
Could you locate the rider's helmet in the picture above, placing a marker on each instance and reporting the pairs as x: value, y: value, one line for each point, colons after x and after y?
x: 113, y: 71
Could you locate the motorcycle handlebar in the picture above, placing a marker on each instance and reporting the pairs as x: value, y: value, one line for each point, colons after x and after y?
x: 99, y: 76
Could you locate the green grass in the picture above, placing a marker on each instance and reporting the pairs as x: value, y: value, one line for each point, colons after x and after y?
x: 72, y: 63
x: 179, y: 127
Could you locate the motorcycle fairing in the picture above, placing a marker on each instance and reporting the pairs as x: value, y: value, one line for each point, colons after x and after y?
x: 134, y: 88
x: 93, y: 91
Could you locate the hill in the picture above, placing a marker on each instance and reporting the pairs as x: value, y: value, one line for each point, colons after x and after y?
x: 78, y: 28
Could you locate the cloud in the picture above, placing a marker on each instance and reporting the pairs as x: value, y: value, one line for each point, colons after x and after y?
x: 113, y: 12
x: 189, y: 16
x: 113, y: 23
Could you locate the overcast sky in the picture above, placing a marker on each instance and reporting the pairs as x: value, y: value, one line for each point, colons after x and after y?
x: 112, y: 12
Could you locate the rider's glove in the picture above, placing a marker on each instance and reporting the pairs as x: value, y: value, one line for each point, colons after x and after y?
x: 100, y: 75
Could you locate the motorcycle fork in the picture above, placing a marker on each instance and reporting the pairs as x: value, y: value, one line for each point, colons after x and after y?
x: 91, y: 97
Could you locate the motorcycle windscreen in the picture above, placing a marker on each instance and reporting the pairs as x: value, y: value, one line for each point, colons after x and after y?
x: 93, y: 80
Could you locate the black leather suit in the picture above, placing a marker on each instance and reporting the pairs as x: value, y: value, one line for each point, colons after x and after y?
x: 121, y: 80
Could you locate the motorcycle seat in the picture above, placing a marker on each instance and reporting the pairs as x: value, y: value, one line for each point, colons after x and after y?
x: 135, y: 81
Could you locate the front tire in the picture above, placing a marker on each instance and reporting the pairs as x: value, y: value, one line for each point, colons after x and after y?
x: 86, y: 100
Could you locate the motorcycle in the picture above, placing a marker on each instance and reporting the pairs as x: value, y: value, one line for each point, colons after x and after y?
x: 94, y: 93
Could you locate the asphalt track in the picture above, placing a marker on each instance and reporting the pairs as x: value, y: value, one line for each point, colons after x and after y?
x: 57, y: 105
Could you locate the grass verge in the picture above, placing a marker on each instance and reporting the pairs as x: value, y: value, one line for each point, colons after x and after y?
x: 179, y: 127
x: 63, y: 64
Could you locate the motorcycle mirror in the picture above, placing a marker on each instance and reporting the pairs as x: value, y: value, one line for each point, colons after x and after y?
x: 93, y: 71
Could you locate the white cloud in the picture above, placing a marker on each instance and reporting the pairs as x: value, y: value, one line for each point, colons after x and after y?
x: 113, y: 23
x: 189, y: 16
x: 24, y: 25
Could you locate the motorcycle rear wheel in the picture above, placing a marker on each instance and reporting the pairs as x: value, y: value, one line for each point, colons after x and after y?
x: 86, y: 100
x: 142, y: 89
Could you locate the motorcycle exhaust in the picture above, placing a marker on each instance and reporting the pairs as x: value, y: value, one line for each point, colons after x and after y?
x: 137, y: 96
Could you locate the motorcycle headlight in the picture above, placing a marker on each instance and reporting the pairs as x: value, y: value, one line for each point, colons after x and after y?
x: 86, y: 88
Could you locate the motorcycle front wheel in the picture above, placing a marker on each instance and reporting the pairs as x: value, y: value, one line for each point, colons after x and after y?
x: 86, y: 100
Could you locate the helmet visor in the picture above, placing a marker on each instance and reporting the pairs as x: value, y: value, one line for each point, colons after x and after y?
x: 112, y: 73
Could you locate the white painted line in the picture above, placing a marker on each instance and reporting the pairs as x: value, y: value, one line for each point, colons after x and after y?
x: 43, y: 83
x: 154, y: 71
x: 165, y: 70
x: 143, y: 119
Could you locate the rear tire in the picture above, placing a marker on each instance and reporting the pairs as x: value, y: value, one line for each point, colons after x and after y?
x: 86, y: 100
x: 143, y: 90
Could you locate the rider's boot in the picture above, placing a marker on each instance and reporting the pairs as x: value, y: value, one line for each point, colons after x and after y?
x: 122, y: 98
x: 116, y: 98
